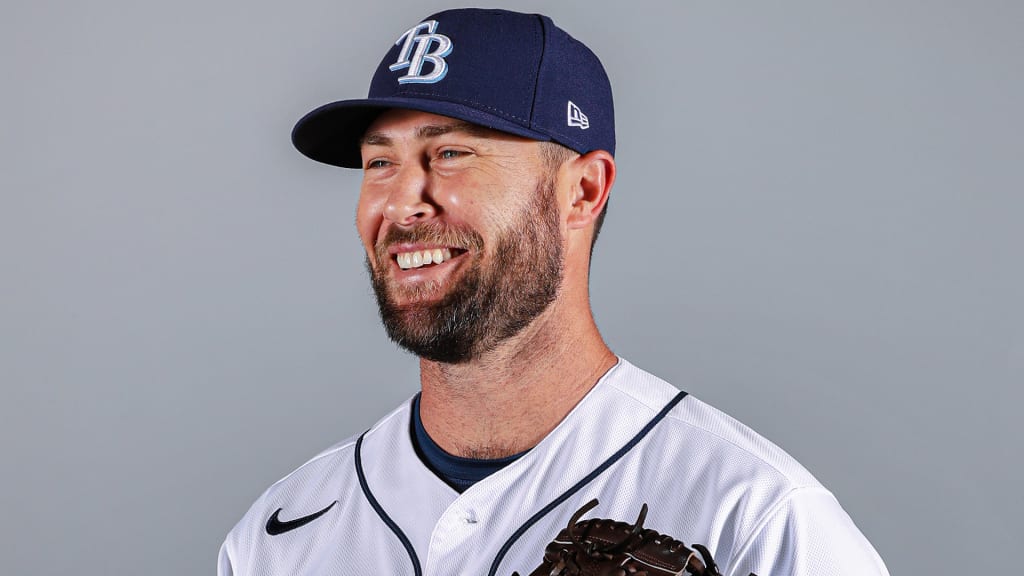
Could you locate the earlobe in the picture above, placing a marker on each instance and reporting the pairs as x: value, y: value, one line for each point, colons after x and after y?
x: 593, y: 176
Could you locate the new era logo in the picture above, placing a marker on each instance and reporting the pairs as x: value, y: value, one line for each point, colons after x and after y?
x: 576, y: 117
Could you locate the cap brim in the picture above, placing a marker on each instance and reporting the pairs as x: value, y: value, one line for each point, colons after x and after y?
x: 331, y: 133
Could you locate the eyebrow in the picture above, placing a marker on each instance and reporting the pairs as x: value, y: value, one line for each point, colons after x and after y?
x: 427, y: 131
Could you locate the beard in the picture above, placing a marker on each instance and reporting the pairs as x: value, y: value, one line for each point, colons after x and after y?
x: 487, y: 304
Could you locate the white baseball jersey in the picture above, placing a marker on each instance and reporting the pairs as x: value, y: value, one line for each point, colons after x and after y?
x: 370, y: 506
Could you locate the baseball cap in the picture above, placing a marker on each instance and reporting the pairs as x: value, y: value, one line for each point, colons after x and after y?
x: 512, y: 72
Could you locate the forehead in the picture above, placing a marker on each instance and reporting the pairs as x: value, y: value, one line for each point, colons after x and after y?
x: 400, y: 123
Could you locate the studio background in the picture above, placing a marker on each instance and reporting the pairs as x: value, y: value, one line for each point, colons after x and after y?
x: 816, y: 228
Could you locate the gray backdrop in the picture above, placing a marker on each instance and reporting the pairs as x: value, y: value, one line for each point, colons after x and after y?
x: 816, y: 227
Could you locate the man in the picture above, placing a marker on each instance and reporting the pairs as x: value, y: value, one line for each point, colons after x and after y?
x: 487, y: 148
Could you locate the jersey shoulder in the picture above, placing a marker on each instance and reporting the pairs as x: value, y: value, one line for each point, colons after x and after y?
x: 710, y: 434
x: 326, y: 477
x: 760, y: 509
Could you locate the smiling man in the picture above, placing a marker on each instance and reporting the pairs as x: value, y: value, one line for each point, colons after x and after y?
x: 487, y: 148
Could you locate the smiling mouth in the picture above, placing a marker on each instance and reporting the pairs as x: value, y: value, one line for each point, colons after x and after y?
x: 421, y: 258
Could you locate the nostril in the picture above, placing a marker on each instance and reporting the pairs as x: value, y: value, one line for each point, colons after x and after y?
x: 409, y: 212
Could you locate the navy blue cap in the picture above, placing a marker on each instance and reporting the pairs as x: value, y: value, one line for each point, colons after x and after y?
x: 517, y: 73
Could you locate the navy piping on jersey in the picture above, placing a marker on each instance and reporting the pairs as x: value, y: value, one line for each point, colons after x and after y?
x: 586, y: 480
x: 533, y: 519
x: 380, y: 511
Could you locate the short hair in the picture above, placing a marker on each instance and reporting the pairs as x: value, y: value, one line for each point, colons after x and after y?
x: 554, y: 155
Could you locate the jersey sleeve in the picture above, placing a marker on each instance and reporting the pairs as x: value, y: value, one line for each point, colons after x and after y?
x: 807, y: 533
x: 224, y: 561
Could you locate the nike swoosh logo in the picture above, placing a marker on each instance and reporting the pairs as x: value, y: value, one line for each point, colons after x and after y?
x: 276, y: 526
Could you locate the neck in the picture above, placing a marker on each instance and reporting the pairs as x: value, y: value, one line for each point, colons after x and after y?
x: 508, y: 400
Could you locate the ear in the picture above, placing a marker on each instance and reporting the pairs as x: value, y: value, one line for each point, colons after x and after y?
x: 593, y: 174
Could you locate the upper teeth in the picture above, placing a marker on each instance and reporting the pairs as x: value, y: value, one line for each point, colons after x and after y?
x: 408, y: 260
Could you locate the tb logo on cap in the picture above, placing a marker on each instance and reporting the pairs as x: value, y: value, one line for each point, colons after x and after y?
x: 416, y: 50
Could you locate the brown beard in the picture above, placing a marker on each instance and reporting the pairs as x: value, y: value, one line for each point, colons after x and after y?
x: 486, y: 305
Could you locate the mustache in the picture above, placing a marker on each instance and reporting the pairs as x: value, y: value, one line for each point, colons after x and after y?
x: 430, y: 233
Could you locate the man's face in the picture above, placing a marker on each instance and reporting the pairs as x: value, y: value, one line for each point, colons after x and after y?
x: 483, y: 203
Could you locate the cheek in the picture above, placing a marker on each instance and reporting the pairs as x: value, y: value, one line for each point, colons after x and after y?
x: 369, y: 219
x: 454, y: 194
x: 476, y: 201
x: 474, y: 189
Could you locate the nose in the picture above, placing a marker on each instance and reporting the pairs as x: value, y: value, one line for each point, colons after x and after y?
x: 409, y: 201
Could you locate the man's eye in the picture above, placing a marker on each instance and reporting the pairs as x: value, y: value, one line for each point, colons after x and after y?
x: 449, y: 154
x: 376, y: 164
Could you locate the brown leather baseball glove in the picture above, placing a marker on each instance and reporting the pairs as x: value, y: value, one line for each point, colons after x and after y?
x: 599, y: 547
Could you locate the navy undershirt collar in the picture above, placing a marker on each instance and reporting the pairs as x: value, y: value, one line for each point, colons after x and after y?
x: 459, y: 473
